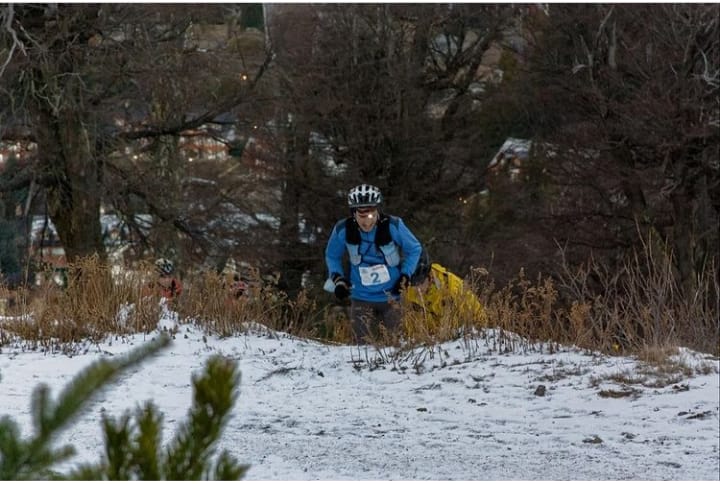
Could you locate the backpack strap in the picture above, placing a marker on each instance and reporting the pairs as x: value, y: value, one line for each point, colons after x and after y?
x: 352, y: 231
x: 382, y: 235
x: 352, y: 240
x: 383, y: 240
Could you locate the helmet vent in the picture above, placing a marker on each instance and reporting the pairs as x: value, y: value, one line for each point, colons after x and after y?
x: 364, y: 196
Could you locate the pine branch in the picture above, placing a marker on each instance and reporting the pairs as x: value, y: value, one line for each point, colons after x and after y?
x: 227, y: 469
x: 146, y: 457
x: 214, y: 396
x: 132, y: 446
x: 117, y: 448
x: 33, y: 459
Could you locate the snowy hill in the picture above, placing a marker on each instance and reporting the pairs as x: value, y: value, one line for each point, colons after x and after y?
x: 471, y: 410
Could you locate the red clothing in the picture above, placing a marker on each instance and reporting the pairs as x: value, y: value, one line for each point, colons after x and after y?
x: 169, y: 287
x: 238, y: 288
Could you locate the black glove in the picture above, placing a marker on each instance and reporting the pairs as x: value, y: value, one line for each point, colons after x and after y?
x: 342, y: 287
x: 401, y: 284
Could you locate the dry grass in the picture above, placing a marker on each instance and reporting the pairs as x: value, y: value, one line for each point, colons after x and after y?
x: 422, y: 327
x: 335, y: 325
x: 638, y: 310
x: 625, y: 392
x: 208, y: 303
x: 92, y: 306
x: 641, y: 309
x: 526, y: 308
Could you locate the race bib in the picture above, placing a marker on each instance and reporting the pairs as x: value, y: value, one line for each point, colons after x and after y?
x: 373, y: 275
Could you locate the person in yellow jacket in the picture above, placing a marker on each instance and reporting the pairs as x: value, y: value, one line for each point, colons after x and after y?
x: 440, y: 305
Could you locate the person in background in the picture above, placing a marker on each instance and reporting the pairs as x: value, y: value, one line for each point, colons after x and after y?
x: 236, y: 279
x: 443, y: 300
x: 383, y: 254
x: 168, y: 285
x: 238, y: 286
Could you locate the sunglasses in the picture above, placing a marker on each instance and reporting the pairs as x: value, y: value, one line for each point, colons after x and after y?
x: 364, y: 212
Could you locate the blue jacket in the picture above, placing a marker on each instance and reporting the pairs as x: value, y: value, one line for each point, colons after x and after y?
x: 379, y: 268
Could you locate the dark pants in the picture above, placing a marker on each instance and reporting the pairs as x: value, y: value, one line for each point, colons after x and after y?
x: 367, y: 317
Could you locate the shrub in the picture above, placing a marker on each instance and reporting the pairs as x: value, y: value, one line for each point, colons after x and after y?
x: 208, y: 302
x: 93, y: 305
x: 641, y: 307
x: 633, y: 309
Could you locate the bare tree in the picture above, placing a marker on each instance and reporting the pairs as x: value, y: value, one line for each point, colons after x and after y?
x: 106, y: 91
x: 629, y: 96
x: 383, y: 94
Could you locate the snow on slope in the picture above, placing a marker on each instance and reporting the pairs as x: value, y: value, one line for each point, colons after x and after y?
x: 309, y: 411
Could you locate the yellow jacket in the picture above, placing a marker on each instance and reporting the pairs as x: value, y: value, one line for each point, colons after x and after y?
x: 441, y: 305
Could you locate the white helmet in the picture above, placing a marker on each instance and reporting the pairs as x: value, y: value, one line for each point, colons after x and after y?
x: 364, y: 196
x: 164, y: 266
x: 231, y: 267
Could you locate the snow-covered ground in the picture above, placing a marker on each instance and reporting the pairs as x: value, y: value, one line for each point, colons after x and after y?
x: 309, y: 411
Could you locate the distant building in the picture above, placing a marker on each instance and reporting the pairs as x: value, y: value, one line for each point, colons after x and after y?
x: 510, y: 159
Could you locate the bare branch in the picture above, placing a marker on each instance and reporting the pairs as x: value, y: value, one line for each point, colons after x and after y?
x: 7, y: 14
x: 710, y: 77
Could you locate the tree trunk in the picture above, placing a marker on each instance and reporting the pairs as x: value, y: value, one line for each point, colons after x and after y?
x: 290, y: 260
x: 74, y: 194
x: 683, y: 232
x: 165, y: 237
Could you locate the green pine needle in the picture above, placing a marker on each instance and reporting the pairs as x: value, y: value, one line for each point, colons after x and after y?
x: 132, y: 445
x: 32, y: 459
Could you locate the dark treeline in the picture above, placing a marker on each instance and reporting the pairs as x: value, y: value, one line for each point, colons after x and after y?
x: 239, y: 128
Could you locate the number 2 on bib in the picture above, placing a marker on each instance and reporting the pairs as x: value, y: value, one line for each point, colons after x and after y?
x: 374, y: 275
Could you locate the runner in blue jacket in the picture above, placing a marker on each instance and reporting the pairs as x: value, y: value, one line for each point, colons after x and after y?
x: 383, y: 254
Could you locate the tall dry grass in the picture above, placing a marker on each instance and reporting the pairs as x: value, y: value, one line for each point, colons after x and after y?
x: 91, y: 306
x: 638, y: 309
x: 207, y: 301
x: 642, y: 307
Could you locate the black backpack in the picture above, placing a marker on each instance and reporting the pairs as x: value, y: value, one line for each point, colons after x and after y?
x: 382, y: 237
